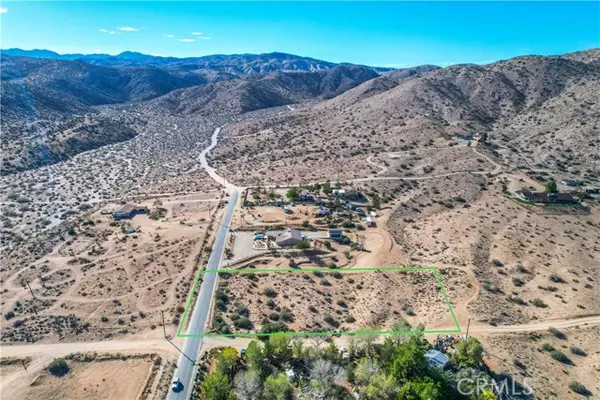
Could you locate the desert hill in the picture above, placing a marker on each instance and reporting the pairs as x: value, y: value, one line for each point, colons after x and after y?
x: 37, y: 88
x: 238, y: 96
x: 534, y: 104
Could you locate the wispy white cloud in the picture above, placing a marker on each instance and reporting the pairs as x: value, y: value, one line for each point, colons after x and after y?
x: 98, y: 51
x: 128, y: 29
x: 204, y: 37
x: 197, y: 33
x: 109, y: 32
x: 171, y: 36
x: 187, y: 40
x: 3, y: 10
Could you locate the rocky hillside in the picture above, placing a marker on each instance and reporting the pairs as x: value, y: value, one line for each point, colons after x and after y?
x: 40, y: 88
x: 253, y: 93
x: 537, y: 112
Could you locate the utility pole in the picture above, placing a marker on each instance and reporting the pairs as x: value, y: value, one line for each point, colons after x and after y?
x: 164, y: 328
x: 34, y: 299
x: 24, y: 365
x: 33, y: 295
x: 468, y: 325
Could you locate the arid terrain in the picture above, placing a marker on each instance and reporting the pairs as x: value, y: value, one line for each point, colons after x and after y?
x: 440, y: 157
x: 107, y: 278
x: 336, y: 301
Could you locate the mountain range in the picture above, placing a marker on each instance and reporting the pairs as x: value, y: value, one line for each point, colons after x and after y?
x: 533, y: 102
x: 237, y: 64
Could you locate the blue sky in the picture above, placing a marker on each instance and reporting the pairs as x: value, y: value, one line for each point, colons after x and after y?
x: 384, y: 34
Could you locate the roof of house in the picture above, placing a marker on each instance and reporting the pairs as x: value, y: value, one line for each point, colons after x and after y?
x: 129, y: 208
x: 335, y: 230
x: 290, y: 234
x: 437, y: 358
x: 544, y: 197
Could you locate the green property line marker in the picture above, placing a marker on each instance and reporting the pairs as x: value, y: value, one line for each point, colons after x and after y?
x: 326, y: 333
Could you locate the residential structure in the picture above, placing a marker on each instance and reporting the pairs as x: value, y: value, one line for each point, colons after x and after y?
x: 464, y: 138
x: 335, y: 233
x: 437, y: 359
x: 543, y: 197
x: 289, y: 238
x: 129, y: 211
x: 570, y: 182
x: 322, y: 212
x: 306, y: 196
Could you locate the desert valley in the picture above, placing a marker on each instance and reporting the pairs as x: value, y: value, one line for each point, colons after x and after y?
x: 262, y: 194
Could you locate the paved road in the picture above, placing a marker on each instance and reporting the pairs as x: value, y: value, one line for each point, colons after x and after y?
x: 185, y: 371
x: 191, y: 347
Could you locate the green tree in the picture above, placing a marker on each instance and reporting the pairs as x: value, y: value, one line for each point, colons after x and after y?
x: 256, y: 359
x: 423, y: 388
x: 277, y: 387
x: 380, y: 387
x: 376, y: 201
x: 216, y: 387
x: 327, y: 188
x: 292, y: 194
x: 58, y: 367
x: 298, y: 348
x: 281, y: 346
x: 364, y: 371
x: 409, y: 361
x: 551, y: 187
x: 331, y: 352
x: 401, y: 325
x: 304, y: 244
x: 468, y: 353
x: 227, y: 361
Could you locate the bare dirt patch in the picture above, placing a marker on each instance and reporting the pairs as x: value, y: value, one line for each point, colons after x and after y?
x: 110, y: 379
x: 335, y: 300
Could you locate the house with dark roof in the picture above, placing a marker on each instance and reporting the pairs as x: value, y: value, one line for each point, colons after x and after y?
x: 546, y: 198
x: 570, y: 182
x: 306, y: 196
x: 128, y: 211
x: 335, y: 233
x: 464, y: 138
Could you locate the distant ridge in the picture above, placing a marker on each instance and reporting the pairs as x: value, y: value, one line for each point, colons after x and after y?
x: 237, y: 64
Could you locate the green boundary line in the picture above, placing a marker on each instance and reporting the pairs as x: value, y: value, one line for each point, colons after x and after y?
x: 434, y: 270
